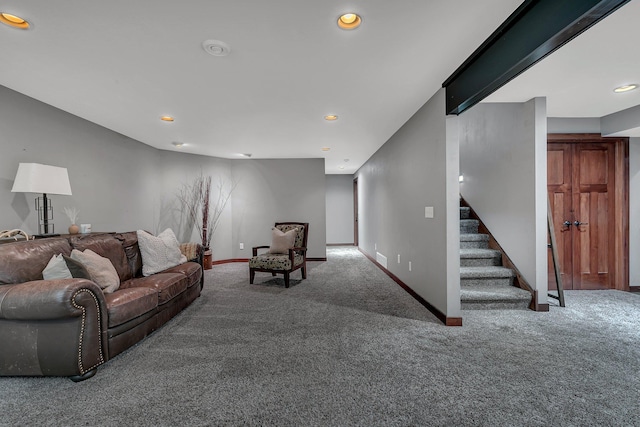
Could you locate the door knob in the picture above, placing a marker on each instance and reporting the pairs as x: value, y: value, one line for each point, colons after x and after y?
x: 567, y: 223
x: 578, y: 223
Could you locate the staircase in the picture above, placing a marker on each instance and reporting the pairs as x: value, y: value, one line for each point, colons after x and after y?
x: 484, y: 282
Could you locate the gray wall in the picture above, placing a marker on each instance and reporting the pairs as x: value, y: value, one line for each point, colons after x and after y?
x: 621, y: 122
x: 573, y: 125
x: 179, y: 169
x: 412, y: 170
x: 504, y: 163
x: 120, y: 184
x: 114, y: 179
x: 278, y: 190
x: 339, y: 209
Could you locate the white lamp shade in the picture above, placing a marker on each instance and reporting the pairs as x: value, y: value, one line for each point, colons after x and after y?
x: 37, y: 178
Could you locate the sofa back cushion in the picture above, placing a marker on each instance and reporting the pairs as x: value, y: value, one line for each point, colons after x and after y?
x: 105, y: 245
x: 129, y: 241
x: 24, y: 261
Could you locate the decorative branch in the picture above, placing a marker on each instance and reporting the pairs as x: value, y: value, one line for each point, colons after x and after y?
x: 71, y: 213
x: 196, y: 200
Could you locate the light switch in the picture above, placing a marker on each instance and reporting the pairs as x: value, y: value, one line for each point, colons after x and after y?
x: 241, y: 246
x: 428, y: 211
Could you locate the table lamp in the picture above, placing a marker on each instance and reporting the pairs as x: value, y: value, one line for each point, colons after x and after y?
x: 45, y: 179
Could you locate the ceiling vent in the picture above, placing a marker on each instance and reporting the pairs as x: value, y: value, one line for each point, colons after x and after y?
x: 216, y: 47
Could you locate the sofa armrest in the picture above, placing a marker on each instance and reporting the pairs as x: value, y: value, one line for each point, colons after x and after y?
x: 52, y: 327
x: 49, y: 299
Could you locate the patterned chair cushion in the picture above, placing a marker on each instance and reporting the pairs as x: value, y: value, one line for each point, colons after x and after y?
x: 274, y: 261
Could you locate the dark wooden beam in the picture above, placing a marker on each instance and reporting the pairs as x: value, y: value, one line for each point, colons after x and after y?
x: 533, y: 31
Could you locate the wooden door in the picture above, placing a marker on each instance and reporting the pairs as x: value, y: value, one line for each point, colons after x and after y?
x: 559, y: 176
x: 587, y: 202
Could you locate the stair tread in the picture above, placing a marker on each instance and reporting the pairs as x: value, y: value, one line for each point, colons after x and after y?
x: 479, y: 253
x: 493, y: 294
x: 485, y: 272
x: 469, y: 221
x: 473, y: 237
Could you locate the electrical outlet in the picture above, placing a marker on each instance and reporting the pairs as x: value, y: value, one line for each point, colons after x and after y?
x: 241, y: 246
x: 398, y: 258
x: 428, y: 211
x: 409, y: 265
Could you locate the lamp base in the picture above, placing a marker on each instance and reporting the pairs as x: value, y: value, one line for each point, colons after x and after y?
x: 44, y: 236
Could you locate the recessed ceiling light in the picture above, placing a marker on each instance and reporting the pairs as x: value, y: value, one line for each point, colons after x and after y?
x: 349, y: 21
x: 331, y: 117
x: 340, y: 167
x: 14, y: 21
x: 216, y: 47
x: 167, y: 118
x: 625, y: 88
x: 245, y: 155
x: 325, y: 148
x: 178, y: 144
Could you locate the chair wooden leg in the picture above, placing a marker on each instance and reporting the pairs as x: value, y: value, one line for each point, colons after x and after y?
x: 286, y: 279
x: 252, y: 275
x: 273, y: 274
x: 304, y: 271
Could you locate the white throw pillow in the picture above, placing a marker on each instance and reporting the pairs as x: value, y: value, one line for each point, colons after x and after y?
x: 63, y: 267
x: 102, y: 272
x: 282, y: 242
x: 56, y: 269
x: 159, y: 252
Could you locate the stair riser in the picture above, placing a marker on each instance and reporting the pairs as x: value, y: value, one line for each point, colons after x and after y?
x: 464, y: 213
x: 480, y: 262
x: 502, y: 281
x: 474, y: 245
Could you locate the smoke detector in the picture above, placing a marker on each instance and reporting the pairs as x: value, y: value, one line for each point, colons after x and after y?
x: 216, y: 47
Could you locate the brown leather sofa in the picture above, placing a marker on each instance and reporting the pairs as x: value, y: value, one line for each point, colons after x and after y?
x: 69, y: 327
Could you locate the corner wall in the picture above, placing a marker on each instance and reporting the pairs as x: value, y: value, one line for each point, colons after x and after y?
x: 120, y: 184
x: 339, y: 209
x: 416, y: 168
x: 504, y: 163
x: 276, y: 190
x: 113, y: 178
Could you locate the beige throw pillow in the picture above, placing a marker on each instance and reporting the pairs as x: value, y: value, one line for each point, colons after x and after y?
x: 159, y: 252
x: 282, y: 242
x: 102, y: 272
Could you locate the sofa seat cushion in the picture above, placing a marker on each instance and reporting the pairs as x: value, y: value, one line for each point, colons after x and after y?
x: 191, y: 270
x: 167, y: 285
x: 126, y: 304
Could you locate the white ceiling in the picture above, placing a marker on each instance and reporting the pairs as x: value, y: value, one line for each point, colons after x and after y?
x: 123, y: 64
x: 579, y: 78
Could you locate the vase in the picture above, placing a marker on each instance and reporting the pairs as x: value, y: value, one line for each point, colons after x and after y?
x: 74, y: 229
x: 208, y: 260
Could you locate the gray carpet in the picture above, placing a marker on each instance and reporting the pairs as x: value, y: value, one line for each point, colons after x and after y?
x: 348, y: 346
